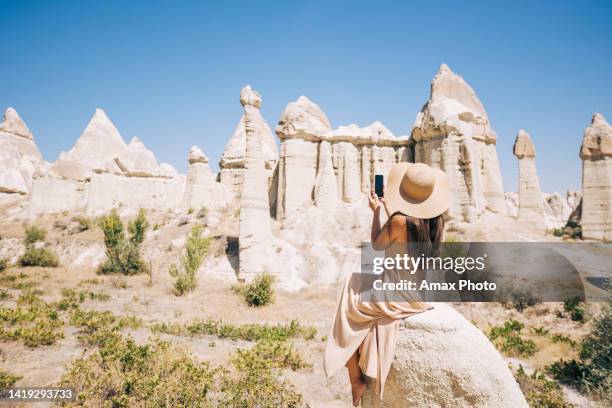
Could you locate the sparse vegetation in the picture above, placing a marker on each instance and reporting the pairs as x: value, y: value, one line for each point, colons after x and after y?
x: 259, y: 292
x: 539, y: 391
x: 123, y: 253
x: 508, y: 339
x: 83, y: 223
x: 100, y: 328
x: 591, y: 373
x: 196, y: 248
x: 3, y: 264
x: 249, y: 332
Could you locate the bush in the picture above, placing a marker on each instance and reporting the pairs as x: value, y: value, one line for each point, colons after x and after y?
x: 196, y: 247
x: 259, y: 292
x: 3, y: 264
x: 7, y: 380
x: 123, y: 255
x: 592, y: 371
x: 38, y: 257
x: 558, y: 232
x: 539, y: 391
x: 34, y: 234
x: 508, y: 339
x: 84, y: 223
x: 572, y: 306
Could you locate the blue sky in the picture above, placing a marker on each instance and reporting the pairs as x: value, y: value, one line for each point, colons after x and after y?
x: 170, y: 72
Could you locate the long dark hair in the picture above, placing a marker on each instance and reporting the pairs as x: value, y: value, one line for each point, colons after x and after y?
x: 425, y: 235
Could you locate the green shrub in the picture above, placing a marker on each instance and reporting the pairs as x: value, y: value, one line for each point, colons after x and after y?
x: 34, y: 234
x: 508, y: 339
x: 572, y: 306
x: 8, y: 380
x: 124, y: 374
x: 123, y: 254
x: 185, y: 275
x: 100, y: 328
x: 558, y: 232
x: 539, y: 391
x: 35, y: 324
x: 3, y: 264
x: 83, y: 222
x: 42, y: 256
x: 278, y: 354
x: 592, y: 371
x: 259, y: 292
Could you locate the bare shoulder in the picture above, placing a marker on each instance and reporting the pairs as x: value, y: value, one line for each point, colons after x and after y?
x: 398, y: 220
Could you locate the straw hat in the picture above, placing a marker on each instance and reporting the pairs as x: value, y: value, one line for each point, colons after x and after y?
x: 417, y: 190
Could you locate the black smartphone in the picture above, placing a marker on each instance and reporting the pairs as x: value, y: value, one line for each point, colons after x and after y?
x: 379, y: 188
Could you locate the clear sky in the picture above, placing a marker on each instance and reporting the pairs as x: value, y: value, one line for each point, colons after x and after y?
x: 170, y: 72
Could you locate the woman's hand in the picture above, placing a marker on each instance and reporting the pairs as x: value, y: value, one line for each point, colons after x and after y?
x: 373, y: 201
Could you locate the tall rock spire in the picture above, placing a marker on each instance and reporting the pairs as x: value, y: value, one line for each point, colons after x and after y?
x: 255, y: 231
x: 531, y: 201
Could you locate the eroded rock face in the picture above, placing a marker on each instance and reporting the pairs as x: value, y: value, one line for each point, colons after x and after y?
x: 301, y: 127
x: 135, y: 160
x: 326, y: 188
x: 20, y: 159
x: 596, y: 155
x: 442, y: 360
x: 452, y: 132
x: 201, y: 189
x: 531, y: 200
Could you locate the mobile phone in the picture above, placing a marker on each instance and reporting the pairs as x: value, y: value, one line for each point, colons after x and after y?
x: 379, y: 188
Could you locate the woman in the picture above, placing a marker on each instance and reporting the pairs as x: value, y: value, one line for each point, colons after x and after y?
x: 363, y: 333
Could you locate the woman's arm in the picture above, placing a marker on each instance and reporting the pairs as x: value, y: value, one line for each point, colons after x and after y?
x: 384, y: 236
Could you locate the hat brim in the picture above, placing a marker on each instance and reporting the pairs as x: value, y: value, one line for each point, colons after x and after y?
x: 437, y: 203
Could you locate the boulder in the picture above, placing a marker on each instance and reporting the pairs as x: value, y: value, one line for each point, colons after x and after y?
x: 452, y: 132
x: 531, y: 200
x: 596, y: 155
x: 442, y: 360
x: 99, y: 142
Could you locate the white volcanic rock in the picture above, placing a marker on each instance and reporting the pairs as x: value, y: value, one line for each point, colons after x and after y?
x: 442, y: 360
x: 573, y: 198
x: 596, y: 155
x: 201, y: 189
x: 55, y: 195
x: 12, y: 181
x: 531, y: 200
x: 70, y: 170
x: 303, y: 119
x: 255, y: 231
x: 18, y: 154
x: 233, y: 158
x: 326, y: 188
x: 301, y: 126
x: 167, y: 170
x: 13, y: 124
x: 512, y: 203
x: 136, y: 160
x: 99, y: 142
x: 452, y: 132
x: 557, y: 210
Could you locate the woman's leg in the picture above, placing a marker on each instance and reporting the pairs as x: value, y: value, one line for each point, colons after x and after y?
x: 357, y: 385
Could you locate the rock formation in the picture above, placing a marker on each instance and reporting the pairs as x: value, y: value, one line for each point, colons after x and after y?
x: 596, y: 155
x: 556, y: 210
x: 531, y: 200
x: 326, y: 187
x: 101, y: 172
x: 452, y: 132
x: 201, y: 189
x: 99, y: 143
x: 255, y: 231
x: 232, y: 160
x: 301, y: 127
x: 441, y: 349
x: 20, y: 159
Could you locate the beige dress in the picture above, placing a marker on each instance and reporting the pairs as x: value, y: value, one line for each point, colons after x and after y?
x: 370, y: 327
